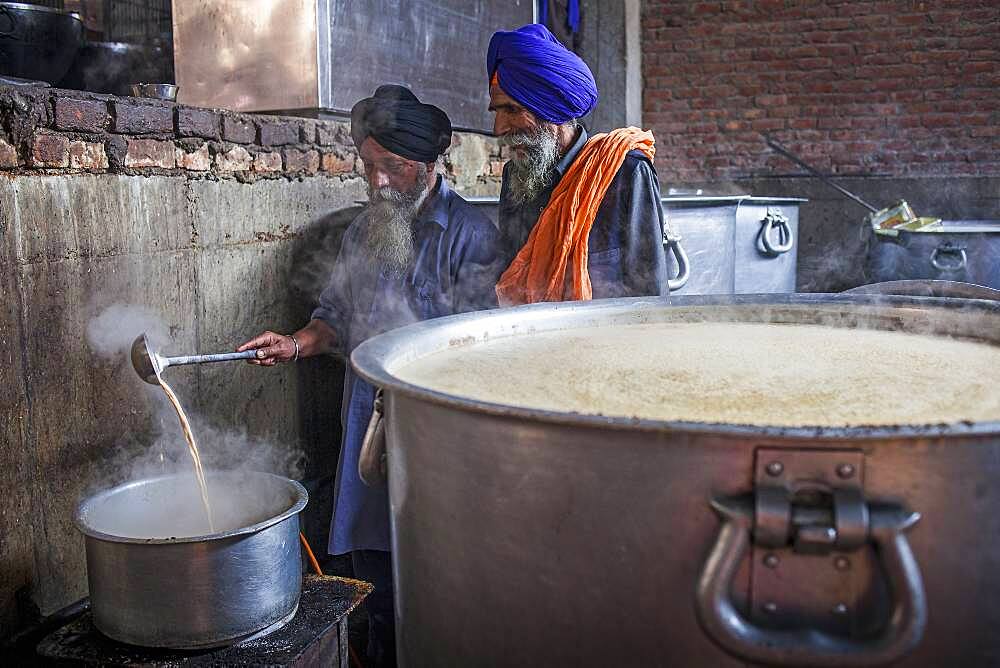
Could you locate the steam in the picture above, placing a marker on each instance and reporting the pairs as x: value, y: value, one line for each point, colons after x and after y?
x: 160, y: 449
x: 111, y: 333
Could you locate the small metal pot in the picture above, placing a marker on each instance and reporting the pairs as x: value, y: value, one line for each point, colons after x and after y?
x: 38, y: 42
x: 193, y: 591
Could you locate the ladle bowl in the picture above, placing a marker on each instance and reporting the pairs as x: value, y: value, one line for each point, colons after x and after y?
x: 149, y: 364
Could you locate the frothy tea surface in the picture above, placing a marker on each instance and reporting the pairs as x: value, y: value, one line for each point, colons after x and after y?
x: 738, y: 373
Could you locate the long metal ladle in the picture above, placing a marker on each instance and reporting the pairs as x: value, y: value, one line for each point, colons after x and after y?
x: 149, y: 364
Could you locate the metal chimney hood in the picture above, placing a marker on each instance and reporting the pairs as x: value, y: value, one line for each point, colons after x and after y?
x: 318, y: 57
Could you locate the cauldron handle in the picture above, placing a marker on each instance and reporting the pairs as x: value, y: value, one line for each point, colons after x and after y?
x: 738, y: 636
x: 12, y: 18
x: 371, y: 461
x: 786, y: 241
x: 672, y: 243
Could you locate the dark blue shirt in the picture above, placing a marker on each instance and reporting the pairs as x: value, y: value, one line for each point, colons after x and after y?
x: 454, y: 254
x: 625, y: 246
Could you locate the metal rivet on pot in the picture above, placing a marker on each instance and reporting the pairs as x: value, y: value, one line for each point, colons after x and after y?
x: 845, y: 470
x: 771, y: 560
x: 842, y: 563
x: 840, y: 609
x: 775, y: 468
x: 770, y: 608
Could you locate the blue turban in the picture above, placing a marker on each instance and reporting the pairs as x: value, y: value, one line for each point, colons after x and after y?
x: 541, y: 74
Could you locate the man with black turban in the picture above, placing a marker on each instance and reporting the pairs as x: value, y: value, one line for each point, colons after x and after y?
x: 418, y: 251
x: 580, y: 215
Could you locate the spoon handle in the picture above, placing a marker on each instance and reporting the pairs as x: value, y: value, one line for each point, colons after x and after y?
x: 202, y: 359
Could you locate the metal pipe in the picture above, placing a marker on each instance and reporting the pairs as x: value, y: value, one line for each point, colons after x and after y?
x: 815, y: 172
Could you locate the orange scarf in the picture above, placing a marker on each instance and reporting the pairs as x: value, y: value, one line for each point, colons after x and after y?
x: 552, y: 265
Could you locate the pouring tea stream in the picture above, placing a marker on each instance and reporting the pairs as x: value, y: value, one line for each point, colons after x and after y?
x: 149, y: 364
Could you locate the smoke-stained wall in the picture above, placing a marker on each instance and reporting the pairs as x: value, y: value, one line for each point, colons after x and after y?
x: 895, y: 88
x: 898, y: 99
x: 222, y: 225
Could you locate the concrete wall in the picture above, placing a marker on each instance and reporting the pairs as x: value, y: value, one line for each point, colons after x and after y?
x: 222, y: 246
x: 214, y: 259
x: 601, y: 43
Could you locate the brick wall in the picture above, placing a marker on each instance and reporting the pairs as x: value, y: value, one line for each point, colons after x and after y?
x: 881, y: 87
x: 51, y: 131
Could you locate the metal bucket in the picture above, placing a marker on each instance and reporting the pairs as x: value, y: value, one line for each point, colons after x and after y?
x: 528, y: 537
x: 193, y: 591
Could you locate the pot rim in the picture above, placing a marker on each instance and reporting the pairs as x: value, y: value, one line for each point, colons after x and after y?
x: 41, y: 8
x: 80, y: 517
x: 368, y: 360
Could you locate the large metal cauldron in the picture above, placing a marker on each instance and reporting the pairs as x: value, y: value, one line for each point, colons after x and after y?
x: 526, y: 537
x: 961, y: 250
x: 196, y: 591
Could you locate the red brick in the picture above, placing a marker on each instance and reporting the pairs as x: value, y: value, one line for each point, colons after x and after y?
x: 238, y: 130
x: 236, y: 159
x: 132, y: 118
x: 202, y: 123
x: 278, y: 132
x: 267, y: 162
x: 986, y: 131
x: 336, y: 164
x: 143, y: 153
x: 980, y: 67
x: 940, y: 120
x: 199, y: 160
x: 301, y: 161
x: 49, y: 150
x: 87, y: 155
x: 8, y: 156
x: 81, y: 115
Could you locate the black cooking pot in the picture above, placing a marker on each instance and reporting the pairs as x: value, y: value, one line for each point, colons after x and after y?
x: 37, y: 42
x: 112, y: 67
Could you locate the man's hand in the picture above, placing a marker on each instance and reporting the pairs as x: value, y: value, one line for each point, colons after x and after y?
x: 271, y: 348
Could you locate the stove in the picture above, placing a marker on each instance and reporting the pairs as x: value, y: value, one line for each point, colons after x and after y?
x: 316, y: 635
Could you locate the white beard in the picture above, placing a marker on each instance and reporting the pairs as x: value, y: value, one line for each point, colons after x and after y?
x: 389, y: 235
x: 528, y: 176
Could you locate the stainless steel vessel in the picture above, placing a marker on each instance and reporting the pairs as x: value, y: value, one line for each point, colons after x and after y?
x: 194, y: 591
x: 322, y: 56
x: 722, y: 245
x: 527, y: 537
x: 961, y: 250
x: 735, y: 244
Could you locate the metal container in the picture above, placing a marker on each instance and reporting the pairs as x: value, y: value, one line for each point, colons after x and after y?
x: 321, y: 56
x: 197, y: 591
x: 38, y: 42
x: 717, y: 245
x: 529, y: 537
x: 735, y: 244
x: 960, y: 250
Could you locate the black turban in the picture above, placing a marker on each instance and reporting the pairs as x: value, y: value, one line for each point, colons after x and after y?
x: 397, y: 120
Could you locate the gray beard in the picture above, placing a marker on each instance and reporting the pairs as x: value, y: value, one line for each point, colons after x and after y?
x: 528, y: 176
x: 389, y: 234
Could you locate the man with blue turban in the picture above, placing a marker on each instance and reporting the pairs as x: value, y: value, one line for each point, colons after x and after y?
x: 580, y: 215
